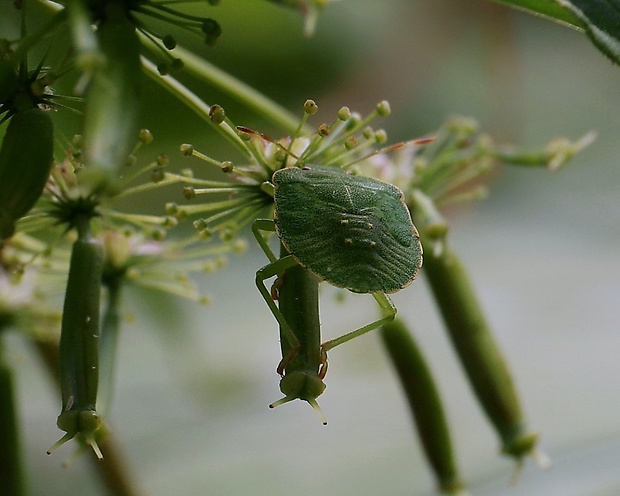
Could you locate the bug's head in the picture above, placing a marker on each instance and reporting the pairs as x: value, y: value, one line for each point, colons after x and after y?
x: 87, y: 424
x: 304, y: 386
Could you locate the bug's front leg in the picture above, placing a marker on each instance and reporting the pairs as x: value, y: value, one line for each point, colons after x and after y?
x: 388, y: 311
x: 277, y: 267
x: 268, y: 271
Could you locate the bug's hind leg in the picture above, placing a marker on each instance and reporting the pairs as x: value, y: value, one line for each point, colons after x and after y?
x: 388, y: 311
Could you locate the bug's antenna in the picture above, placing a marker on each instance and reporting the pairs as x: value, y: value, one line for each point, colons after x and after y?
x: 311, y: 401
x: 314, y: 404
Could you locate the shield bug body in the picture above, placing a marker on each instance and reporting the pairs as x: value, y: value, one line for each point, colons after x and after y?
x: 352, y: 231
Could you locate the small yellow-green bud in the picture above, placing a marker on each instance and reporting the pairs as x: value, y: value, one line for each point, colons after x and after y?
x: 187, y: 150
x: 350, y: 143
x: 344, y: 114
x: 227, y: 166
x: 381, y: 136
x: 163, y: 160
x: 323, y: 130
x: 145, y: 136
x: 217, y: 114
x: 189, y: 192
x: 383, y: 108
x: 171, y: 208
x: 157, y: 174
x: 310, y: 107
x: 158, y: 234
x: 170, y: 222
x: 200, y: 224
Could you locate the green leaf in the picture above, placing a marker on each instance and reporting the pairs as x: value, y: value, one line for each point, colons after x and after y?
x: 551, y: 9
x: 600, y: 19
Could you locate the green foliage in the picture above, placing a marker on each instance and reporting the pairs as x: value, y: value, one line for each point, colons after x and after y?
x: 600, y: 19
x: 551, y: 9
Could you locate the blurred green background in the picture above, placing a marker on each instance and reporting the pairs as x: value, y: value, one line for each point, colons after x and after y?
x: 543, y: 250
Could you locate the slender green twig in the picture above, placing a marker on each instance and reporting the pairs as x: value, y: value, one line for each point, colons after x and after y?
x: 193, y: 101
x: 216, y: 77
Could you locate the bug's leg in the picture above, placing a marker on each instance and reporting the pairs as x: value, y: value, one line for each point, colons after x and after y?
x: 277, y: 267
x: 275, y: 287
x: 388, y: 311
x: 273, y: 269
x: 266, y: 225
x: 323, y: 364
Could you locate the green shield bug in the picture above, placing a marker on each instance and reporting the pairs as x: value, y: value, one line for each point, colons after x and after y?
x: 354, y: 232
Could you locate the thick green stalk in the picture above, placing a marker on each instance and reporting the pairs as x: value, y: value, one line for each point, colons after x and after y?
x: 425, y: 404
x: 12, y: 482
x: 79, y: 343
x: 477, y: 349
x: 113, y: 470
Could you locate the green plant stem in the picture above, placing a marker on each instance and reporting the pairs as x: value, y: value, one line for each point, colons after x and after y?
x: 477, y: 349
x: 12, y: 481
x: 194, y: 102
x: 113, y: 470
x: 110, y: 324
x: 425, y: 404
x: 221, y: 80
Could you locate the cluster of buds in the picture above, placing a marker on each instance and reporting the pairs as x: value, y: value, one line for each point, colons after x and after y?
x: 346, y: 142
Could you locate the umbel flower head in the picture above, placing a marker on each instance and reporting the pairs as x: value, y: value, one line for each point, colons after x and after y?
x: 138, y: 250
x: 347, y: 142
